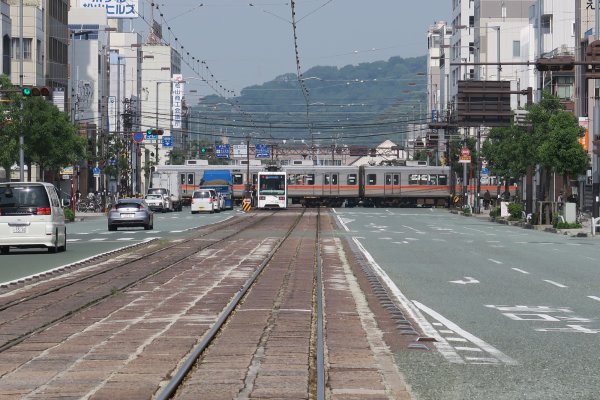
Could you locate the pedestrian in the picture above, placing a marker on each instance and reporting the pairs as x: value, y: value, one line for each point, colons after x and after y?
x: 486, y: 200
x: 559, y: 201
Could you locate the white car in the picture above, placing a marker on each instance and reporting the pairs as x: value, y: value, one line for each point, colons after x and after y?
x: 31, y: 215
x: 156, y: 202
x: 204, y: 200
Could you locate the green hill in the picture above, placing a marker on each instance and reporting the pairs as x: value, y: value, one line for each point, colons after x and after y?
x: 357, y: 104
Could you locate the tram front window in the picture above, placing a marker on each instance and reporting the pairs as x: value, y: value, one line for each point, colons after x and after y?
x: 272, y: 184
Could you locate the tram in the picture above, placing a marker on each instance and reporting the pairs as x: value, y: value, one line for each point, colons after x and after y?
x: 271, y: 190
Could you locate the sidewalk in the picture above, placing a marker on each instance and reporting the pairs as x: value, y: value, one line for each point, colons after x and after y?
x: 584, y: 231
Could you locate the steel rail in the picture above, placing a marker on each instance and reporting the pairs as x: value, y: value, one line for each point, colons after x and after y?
x: 68, y: 314
x: 320, y: 317
x: 170, y: 389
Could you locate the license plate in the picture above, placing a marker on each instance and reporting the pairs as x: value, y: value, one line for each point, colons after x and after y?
x: 19, y: 229
x: 127, y: 215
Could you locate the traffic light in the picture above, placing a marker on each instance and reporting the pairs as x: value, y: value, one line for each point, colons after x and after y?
x: 555, y: 64
x: 205, y: 149
x: 154, y: 132
x: 35, y: 91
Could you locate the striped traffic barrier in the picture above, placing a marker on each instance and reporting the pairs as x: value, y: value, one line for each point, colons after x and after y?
x: 246, y: 205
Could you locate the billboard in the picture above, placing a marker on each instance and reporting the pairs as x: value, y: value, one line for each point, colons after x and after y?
x: 114, y: 8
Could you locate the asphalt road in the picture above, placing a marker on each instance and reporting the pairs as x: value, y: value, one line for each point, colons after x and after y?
x: 516, y: 312
x: 90, y: 236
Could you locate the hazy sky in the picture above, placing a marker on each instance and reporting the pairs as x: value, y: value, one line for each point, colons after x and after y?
x: 251, y: 42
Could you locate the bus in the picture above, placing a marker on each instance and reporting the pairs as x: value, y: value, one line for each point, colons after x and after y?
x: 271, y: 191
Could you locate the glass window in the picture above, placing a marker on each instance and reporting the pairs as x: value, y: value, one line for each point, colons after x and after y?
x: 351, y: 179
x: 424, y: 179
x: 181, y: 179
x: 396, y: 180
x: 433, y: 180
x: 334, y: 179
x: 371, y: 179
x: 413, y: 179
x: 442, y: 180
x: 310, y: 179
x: 326, y: 179
x: 516, y: 48
x: 388, y: 179
x: 238, y: 179
x: 190, y: 179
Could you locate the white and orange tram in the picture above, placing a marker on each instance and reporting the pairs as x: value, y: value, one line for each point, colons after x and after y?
x: 271, y: 190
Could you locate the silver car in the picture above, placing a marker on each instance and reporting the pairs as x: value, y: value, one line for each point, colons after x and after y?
x: 130, y: 212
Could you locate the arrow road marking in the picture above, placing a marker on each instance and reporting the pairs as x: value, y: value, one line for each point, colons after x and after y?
x: 468, y: 279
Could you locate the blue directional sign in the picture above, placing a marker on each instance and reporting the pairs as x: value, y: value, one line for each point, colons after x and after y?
x: 485, y: 171
x: 96, y: 172
x: 167, y: 141
x: 151, y: 138
x: 222, y: 151
x: 262, y: 151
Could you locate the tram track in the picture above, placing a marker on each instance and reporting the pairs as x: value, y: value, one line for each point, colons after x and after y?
x: 287, y: 262
x: 99, y: 274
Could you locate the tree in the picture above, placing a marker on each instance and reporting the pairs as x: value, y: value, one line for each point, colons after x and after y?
x: 51, y: 140
x: 9, y: 116
x: 561, y: 152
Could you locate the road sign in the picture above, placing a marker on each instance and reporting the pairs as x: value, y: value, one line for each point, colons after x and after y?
x: 222, y: 150
x: 151, y: 138
x: 138, y: 137
x: 96, y: 172
x: 262, y: 151
x: 167, y: 141
x: 485, y: 171
x: 240, y: 150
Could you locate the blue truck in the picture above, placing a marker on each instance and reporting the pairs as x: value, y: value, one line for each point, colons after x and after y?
x: 222, y: 181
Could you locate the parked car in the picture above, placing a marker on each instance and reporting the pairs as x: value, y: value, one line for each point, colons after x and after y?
x: 130, y: 213
x: 156, y: 202
x: 204, y: 200
x: 31, y: 215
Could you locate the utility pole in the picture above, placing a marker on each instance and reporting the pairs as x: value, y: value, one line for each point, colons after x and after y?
x: 595, y: 158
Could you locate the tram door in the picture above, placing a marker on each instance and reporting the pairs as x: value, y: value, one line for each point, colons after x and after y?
x: 391, y: 184
x: 186, y: 183
x: 330, y: 185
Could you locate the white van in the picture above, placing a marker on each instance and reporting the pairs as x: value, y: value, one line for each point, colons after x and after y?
x: 31, y: 216
x: 205, y: 200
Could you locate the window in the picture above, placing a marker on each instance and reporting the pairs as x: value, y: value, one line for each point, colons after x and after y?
x: 190, y: 179
x: 388, y: 179
x: 442, y: 180
x: 238, y: 179
x: 371, y: 179
x: 326, y: 179
x: 334, y: 179
x: 396, y: 179
x: 351, y: 180
x: 182, y: 179
x: 516, y: 48
x: 564, y: 87
x: 16, y: 49
x: 424, y: 180
x: 546, y: 23
x: 310, y: 179
x: 471, y: 21
x: 433, y: 180
x: 413, y: 179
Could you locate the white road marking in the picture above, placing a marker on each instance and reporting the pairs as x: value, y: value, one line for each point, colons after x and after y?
x: 475, y: 349
x: 98, y: 240
x: 560, y: 285
x: 467, y: 280
x: 594, y: 298
x: 472, y: 338
x: 521, y: 271
x: 495, y: 261
x: 343, y: 222
x: 125, y: 239
x: 73, y: 240
x: 412, y: 311
x: 456, y: 339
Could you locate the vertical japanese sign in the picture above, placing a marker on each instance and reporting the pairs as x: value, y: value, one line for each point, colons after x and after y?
x: 177, y: 94
x: 114, y: 8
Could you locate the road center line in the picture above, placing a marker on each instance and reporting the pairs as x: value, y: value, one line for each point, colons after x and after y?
x: 560, y: 285
x: 495, y: 261
x: 594, y: 298
x: 521, y: 271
